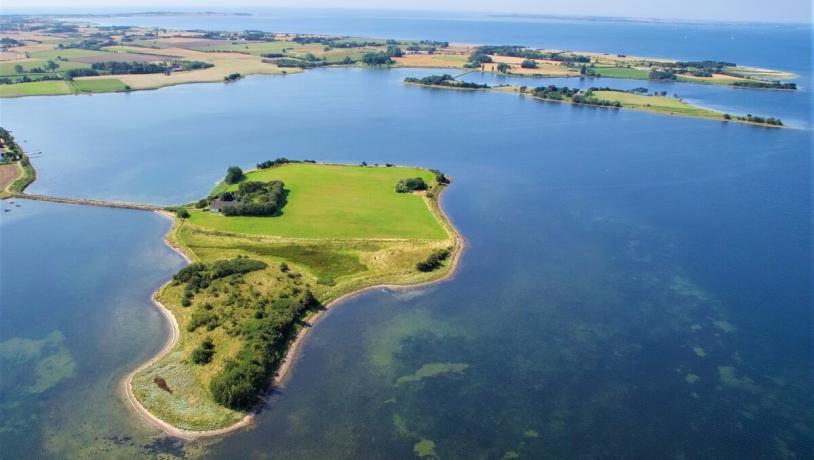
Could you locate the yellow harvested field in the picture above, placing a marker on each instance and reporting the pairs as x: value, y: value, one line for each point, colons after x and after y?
x: 543, y: 68
x: 225, y: 64
x: 715, y: 76
x: 11, y: 55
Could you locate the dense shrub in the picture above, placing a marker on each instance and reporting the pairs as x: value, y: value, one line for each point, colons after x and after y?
x: 258, y: 199
x: 376, y: 59
x: 410, y: 185
x: 444, y: 80
x: 433, y: 261
x: 204, y: 352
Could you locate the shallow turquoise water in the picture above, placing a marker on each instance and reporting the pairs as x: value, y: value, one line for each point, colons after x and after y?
x: 635, y: 285
x: 75, y: 316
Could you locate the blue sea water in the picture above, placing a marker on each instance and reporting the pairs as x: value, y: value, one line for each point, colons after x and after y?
x: 634, y: 286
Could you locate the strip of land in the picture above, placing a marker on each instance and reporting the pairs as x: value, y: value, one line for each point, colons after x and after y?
x: 636, y: 99
x: 46, y: 56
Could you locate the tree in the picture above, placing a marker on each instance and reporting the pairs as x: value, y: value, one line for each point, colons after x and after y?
x: 394, y: 51
x: 18, y: 68
x: 503, y: 67
x: 182, y: 213
x: 377, y: 59
x: 233, y: 175
x: 528, y: 64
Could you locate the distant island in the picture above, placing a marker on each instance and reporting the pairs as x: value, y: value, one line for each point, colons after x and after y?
x: 637, y: 99
x: 45, y: 55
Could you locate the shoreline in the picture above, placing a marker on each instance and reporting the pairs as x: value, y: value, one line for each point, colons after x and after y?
x: 286, y: 366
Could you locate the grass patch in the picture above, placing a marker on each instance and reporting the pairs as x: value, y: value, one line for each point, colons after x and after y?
x: 100, y: 85
x: 36, y: 88
x: 663, y: 104
x: 332, y: 201
x: 622, y: 72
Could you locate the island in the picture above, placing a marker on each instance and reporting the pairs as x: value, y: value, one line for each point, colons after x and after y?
x: 636, y: 99
x: 269, y: 251
x: 50, y: 55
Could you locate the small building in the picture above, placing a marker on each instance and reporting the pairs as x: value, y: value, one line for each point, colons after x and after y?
x: 219, y: 205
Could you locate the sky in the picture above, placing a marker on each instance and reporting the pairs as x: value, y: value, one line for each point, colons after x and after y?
x: 798, y: 11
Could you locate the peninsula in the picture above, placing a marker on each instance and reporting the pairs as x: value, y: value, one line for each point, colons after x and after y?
x: 47, y: 55
x: 635, y: 99
x: 270, y: 250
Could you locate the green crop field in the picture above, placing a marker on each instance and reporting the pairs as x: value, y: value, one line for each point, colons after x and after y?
x: 622, y: 72
x: 7, y: 68
x: 664, y: 104
x: 100, y: 85
x: 35, y: 88
x: 332, y: 201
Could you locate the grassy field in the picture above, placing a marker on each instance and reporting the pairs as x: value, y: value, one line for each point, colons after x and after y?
x: 36, y: 88
x: 622, y: 72
x: 100, y: 85
x: 331, y: 201
x: 663, y: 104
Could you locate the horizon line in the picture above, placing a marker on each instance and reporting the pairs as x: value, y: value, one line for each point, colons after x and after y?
x: 236, y: 9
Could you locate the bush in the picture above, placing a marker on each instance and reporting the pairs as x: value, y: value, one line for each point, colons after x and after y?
x: 528, y: 64
x: 182, y: 213
x: 203, y: 354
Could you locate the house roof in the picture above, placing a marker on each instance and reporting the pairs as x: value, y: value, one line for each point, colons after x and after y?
x: 220, y: 204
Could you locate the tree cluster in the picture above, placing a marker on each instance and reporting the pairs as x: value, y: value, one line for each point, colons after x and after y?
x: 257, y: 199
x: 411, y: 185
x: 444, y: 80
x: 765, y: 84
x: 433, y: 261
x: 376, y: 59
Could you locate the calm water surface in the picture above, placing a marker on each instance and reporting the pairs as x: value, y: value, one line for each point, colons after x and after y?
x: 75, y: 316
x: 635, y: 285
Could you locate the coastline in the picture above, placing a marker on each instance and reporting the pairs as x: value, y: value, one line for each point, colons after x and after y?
x: 285, y: 368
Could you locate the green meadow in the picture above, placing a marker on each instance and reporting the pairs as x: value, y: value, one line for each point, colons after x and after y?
x: 36, y: 88
x: 663, y: 104
x: 338, y: 202
x: 622, y: 72
x: 100, y: 85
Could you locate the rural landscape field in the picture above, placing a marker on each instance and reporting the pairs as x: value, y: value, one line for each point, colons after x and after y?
x: 405, y: 230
